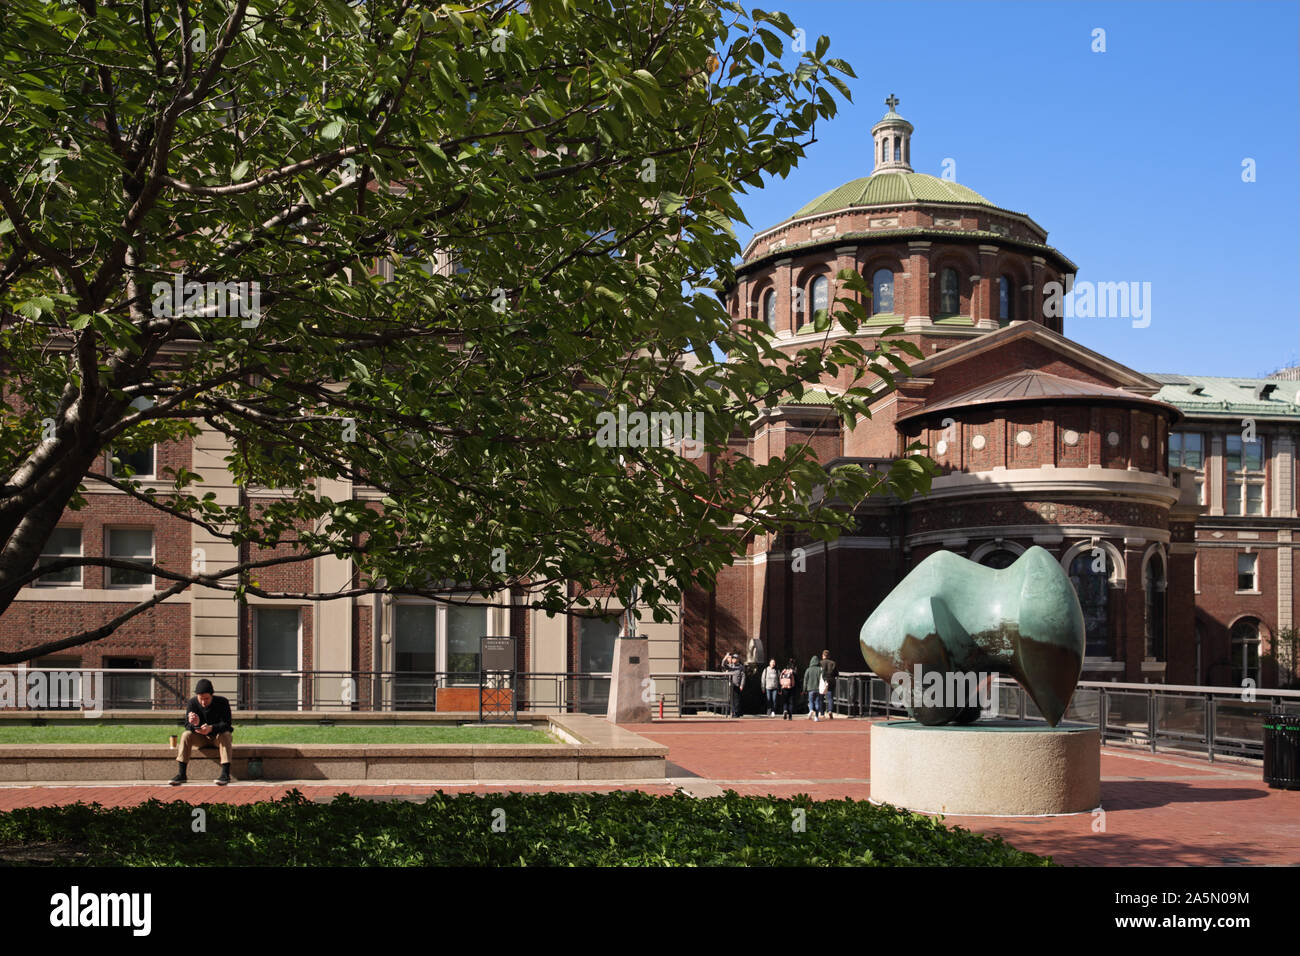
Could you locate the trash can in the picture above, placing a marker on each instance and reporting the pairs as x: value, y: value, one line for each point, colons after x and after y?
x: 1282, y: 751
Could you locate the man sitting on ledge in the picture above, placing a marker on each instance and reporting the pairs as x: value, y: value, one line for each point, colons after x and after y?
x: 208, y: 721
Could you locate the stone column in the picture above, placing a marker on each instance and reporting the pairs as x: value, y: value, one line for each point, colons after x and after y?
x: 1036, y: 280
x: 332, y: 620
x: 1285, y: 579
x: 919, y: 283
x: 1283, y: 496
x: 1214, y: 473
x: 781, y: 276
x: 984, y: 311
x: 214, y: 615
x: 845, y: 258
x: 1133, y: 640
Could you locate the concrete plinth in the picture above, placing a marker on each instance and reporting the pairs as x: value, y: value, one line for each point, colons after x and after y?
x: 627, y: 681
x: 995, y: 767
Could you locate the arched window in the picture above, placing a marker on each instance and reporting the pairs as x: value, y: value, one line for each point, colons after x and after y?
x: 898, y: 150
x: 819, y: 293
x: 999, y: 558
x: 1154, y: 584
x: 949, y: 300
x: 884, y: 149
x: 1004, y: 299
x: 769, y: 310
x: 1090, y: 575
x: 882, y: 292
x: 1245, y: 651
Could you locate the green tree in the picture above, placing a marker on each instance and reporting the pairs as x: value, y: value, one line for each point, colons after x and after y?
x: 548, y: 188
x: 1283, y: 655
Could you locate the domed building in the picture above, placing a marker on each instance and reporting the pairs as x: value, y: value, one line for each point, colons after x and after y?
x: 1040, y: 440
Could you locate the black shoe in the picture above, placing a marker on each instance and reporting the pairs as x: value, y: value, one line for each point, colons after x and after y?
x: 177, y: 780
x: 223, y: 779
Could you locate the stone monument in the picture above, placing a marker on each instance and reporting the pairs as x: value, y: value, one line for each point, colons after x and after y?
x: 631, y: 689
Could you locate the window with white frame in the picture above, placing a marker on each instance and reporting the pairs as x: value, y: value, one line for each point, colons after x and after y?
x: 1187, y: 450
x: 1245, y: 651
x: 1244, y: 464
x: 949, y: 294
x: 277, y: 646
x: 819, y: 296
x: 132, y: 464
x: 435, y: 643
x: 128, y: 691
x: 1247, y: 572
x: 62, y: 543
x: 129, y: 544
x: 882, y: 292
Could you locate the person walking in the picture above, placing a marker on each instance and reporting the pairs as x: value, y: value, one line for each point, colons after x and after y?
x: 771, y: 686
x: 737, y: 678
x: 812, y: 679
x: 787, y: 691
x: 830, y: 671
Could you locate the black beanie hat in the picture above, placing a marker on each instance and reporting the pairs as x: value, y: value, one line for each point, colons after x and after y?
x: 204, y: 686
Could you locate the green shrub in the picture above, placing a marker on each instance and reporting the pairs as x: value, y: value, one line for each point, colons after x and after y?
x: 538, y: 829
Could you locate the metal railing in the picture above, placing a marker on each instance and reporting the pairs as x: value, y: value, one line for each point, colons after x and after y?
x: 1215, y: 721
x: 257, y: 691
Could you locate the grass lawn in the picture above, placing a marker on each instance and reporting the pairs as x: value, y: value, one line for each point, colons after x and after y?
x: 540, y: 829
x: 101, y: 732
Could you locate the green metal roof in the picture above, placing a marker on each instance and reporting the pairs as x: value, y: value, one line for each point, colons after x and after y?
x: 892, y: 117
x: 1215, y: 395
x: 891, y: 189
x: 811, y: 396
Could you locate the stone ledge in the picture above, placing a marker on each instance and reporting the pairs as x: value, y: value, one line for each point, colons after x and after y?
x: 595, y: 749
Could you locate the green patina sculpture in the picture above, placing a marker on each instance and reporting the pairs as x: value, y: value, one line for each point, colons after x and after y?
x: 957, y: 618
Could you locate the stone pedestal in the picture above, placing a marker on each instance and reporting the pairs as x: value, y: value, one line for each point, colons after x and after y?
x: 627, y: 682
x: 990, y: 768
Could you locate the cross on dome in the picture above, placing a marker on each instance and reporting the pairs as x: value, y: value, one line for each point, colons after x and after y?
x: 892, y: 136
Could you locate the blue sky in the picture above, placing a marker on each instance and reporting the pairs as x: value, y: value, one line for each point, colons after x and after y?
x: 1131, y: 159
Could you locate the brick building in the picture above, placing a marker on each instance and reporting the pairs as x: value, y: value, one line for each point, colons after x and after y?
x: 1169, y: 500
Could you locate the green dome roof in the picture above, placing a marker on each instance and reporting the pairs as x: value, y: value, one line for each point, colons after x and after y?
x: 886, y: 189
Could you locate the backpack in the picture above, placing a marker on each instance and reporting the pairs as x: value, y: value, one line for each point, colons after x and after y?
x: 787, y: 679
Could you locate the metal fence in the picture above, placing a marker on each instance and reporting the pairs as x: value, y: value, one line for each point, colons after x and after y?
x: 168, y: 690
x: 1215, y: 721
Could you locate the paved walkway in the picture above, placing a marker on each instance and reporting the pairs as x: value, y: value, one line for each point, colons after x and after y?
x: 1160, y: 810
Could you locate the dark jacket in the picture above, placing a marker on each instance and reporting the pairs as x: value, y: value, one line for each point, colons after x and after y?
x: 217, y: 714
x: 829, y: 668
x: 737, y: 675
x: 812, y: 676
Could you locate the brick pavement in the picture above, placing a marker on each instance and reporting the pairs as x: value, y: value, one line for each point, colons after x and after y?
x: 1160, y: 809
